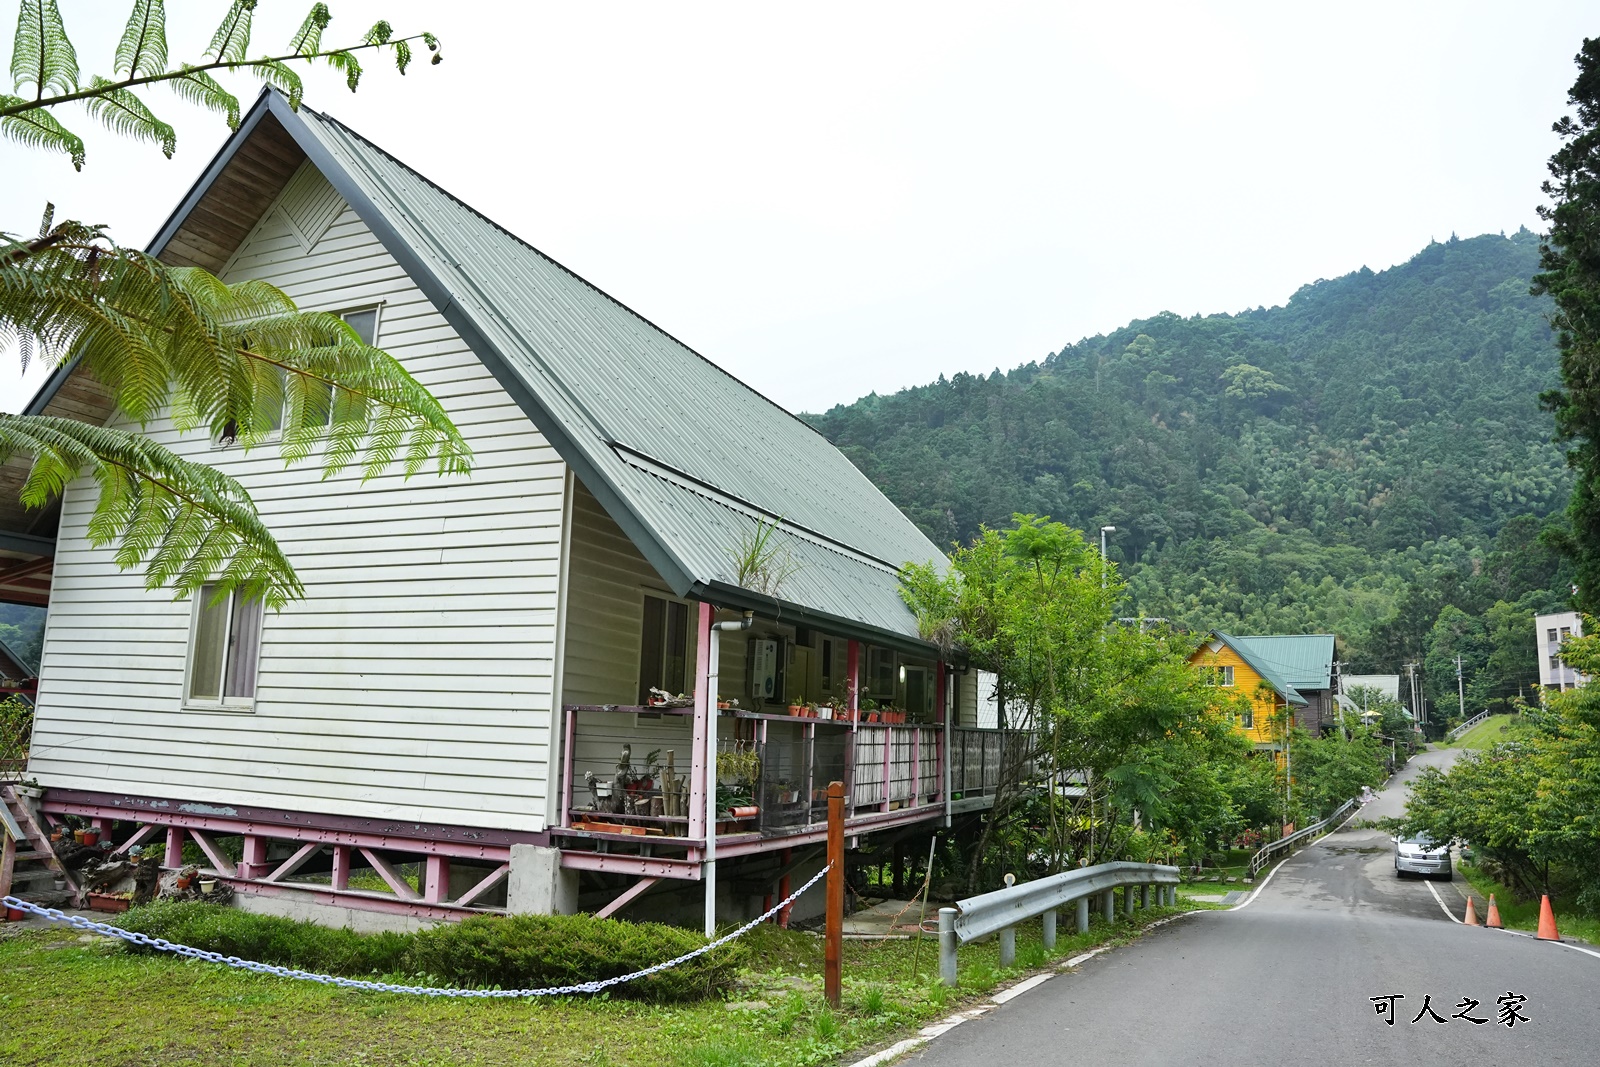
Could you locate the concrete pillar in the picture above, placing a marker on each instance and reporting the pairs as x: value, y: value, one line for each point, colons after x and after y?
x: 1127, y: 901
x: 1144, y: 897
x: 537, y: 884
x: 947, y: 946
x: 1083, y: 915
x: 1049, y: 919
x: 1008, y: 946
x: 1108, y: 905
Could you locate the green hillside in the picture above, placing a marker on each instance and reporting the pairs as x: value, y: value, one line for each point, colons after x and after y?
x: 1351, y: 461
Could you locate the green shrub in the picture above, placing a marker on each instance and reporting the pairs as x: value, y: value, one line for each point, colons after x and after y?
x: 529, y: 951
x: 517, y: 952
x: 270, y: 939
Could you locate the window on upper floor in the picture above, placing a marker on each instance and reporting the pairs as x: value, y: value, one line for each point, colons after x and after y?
x: 364, y: 321
x: 663, y: 648
x: 1552, y: 636
x: 224, y: 648
x: 1248, y: 719
x: 1222, y: 676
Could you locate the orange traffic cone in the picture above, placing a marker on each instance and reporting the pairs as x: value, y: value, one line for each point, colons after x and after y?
x: 1493, y: 921
x: 1472, y: 914
x: 1547, y: 921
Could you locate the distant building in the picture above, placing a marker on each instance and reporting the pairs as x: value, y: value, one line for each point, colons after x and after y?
x: 1305, y: 662
x: 1231, y: 664
x: 1387, y: 685
x: 1552, y: 632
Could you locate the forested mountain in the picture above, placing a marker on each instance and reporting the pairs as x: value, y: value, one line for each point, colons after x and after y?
x: 1349, y: 462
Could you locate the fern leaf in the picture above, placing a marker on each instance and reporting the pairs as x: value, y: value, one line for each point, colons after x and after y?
x: 125, y: 114
x: 380, y: 33
x: 198, y: 87
x: 402, y: 55
x: 307, y: 39
x: 276, y: 73
x: 39, y: 129
x: 143, y: 48
x: 188, y: 524
x: 347, y: 62
x: 232, y: 39
x: 41, y: 55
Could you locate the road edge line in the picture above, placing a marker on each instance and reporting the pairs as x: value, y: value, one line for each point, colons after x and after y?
x: 1247, y: 901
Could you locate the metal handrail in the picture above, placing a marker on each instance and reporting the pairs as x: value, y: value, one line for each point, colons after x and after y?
x: 1287, y: 843
x: 1001, y: 911
x: 1469, y: 724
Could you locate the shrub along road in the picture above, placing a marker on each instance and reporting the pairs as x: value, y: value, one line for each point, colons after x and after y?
x: 1288, y: 979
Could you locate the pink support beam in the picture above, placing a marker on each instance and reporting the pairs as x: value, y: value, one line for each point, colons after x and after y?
x: 612, y: 863
x: 294, y: 862
x: 495, y: 877
x: 629, y: 895
x: 253, y: 864
x: 219, y: 861
x: 387, y: 872
x: 174, y: 857
x: 705, y: 718
x: 140, y: 836
x: 435, y: 879
x: 567, y: 784
x: 341, y: 867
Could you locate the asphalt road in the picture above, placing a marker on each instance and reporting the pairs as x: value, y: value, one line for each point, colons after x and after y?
x: 1287, y: 979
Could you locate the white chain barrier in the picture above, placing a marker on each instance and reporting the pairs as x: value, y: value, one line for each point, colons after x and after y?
x: 78, y: 922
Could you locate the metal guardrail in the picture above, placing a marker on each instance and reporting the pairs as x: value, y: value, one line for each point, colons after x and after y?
x: 1288, y: 842
x: 1001, y: 911
x: 1469, y: 724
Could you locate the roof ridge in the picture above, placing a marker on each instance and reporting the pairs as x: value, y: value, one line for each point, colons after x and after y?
x: 564, y: 268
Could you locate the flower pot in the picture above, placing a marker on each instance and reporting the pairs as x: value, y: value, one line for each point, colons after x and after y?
x: 825, y: 713
x: 797, y: 710
x: 15, y: 915
x: 77, y: 835
x: 90, y: 838
x: 208, y: 886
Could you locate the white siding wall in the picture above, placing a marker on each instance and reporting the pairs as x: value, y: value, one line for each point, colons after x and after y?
x: 414, y: 679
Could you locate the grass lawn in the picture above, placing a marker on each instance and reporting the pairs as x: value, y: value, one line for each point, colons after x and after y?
x: 70, y: 998
x: 1525, y: 915
x: 1493, y: 730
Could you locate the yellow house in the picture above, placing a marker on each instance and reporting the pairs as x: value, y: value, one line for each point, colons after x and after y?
x: 1233, y: 666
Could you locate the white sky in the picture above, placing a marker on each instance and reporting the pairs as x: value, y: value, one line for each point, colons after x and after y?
x: 831, y: 199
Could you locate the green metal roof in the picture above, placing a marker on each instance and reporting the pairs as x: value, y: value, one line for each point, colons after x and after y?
x: 1305, y: 661
x: 681, y: 454
x: 1269, y: 673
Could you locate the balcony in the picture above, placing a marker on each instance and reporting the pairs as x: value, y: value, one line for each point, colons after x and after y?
x: 631, y: 781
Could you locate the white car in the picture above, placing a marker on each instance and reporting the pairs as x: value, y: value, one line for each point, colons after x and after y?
x: 1419, y: 855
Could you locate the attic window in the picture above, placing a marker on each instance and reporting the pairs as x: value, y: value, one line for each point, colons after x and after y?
x: 365, y: 323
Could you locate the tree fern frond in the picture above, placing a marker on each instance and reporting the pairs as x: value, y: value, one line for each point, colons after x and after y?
x: 347, y: 62
x: 187, y: 523
x: 308, y: 38
x: 198, y: 87
x: 39, y: 129
x: 42, y: 58
x: 143, y: 48
x: 380, y: 33
x: 232, y: 39
x: 274, y: 72
x: 402, y: 55
x: 124, y: 113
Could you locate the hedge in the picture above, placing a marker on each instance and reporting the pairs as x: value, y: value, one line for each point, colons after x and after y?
x: 508, y: 952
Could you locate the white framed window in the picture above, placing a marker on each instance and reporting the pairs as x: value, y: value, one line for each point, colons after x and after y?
x: 1222, y: 676
x: 224, y: 650
x: 663, y: 647
x: 1248, y: 719
x: 364, y: 320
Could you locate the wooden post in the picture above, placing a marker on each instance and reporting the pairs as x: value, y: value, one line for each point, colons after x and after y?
x: 832, y: 982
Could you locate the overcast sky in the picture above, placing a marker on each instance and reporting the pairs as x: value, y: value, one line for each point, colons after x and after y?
x: 835, y: 199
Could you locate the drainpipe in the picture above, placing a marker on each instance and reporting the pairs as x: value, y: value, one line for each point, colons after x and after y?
x: 709, y: 861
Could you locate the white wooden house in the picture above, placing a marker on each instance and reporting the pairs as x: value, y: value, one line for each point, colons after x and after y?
x: 416, y: 736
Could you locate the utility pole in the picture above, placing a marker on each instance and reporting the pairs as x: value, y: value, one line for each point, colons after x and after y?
x: 1411, y: 679
x: 1103, y: 531
x: 1461, y: 691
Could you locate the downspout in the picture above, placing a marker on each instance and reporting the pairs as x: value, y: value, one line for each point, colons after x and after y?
x: 709, y: 859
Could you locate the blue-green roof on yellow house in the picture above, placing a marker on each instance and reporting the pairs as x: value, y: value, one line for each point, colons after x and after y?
x: 1269, y: 674
x: 1305, y: 661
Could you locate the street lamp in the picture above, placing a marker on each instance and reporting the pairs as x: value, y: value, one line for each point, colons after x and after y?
x: 1103, y: 531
